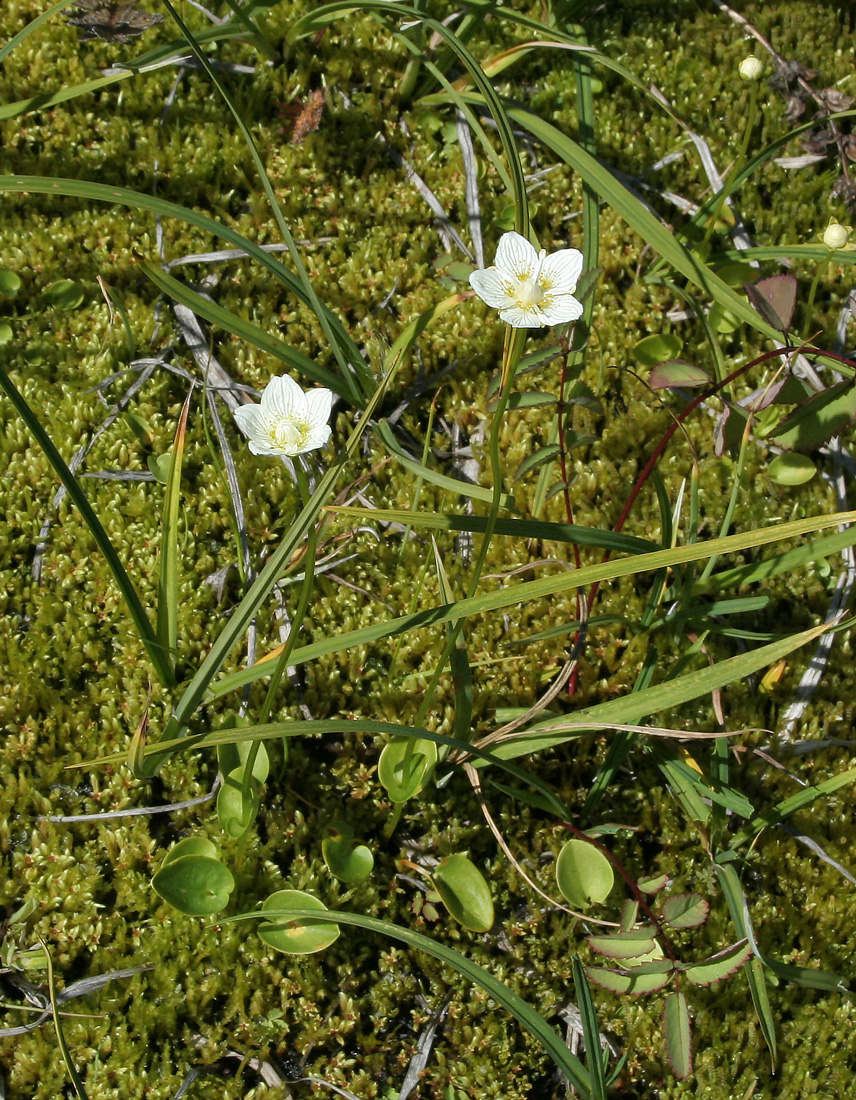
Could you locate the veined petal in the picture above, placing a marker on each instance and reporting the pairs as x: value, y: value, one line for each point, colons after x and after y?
x: 249, y: 419
x: 559, y: 309
x: 515, y: 257
x: 523, y: 318
x: 317, y: 437
x: 283, y: 397
x: 319, y: 402
x: 490, y: 287
x: 561, y: 270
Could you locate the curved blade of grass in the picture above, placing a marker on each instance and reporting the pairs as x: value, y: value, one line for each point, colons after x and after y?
x: 783, y: 810
x: 591, y: 1034
x: 352, y: 371
x: 246, y: 330
x: 756, y: 572
x: 632, y: 708
x: 85, y: 189
x: 514, y: 595
x: 167, y: 618
x: 157, y: 655
x: 516, y: 528
x: 525, y: 1015
x: 76, y: 1081
x: 433, y: 477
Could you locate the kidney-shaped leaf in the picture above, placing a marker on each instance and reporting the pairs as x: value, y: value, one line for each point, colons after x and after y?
x: 194, y: 884
x: 349, y: 862
x: 465, y: 892
x: 583, y: 874
x: 404, y: 766
x: 301, y: 936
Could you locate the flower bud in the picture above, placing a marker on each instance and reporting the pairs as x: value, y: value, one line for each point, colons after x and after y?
x: 750, y: 68
x: 835, y: 235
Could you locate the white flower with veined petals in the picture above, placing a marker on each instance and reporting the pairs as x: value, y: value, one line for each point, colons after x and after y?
x: 287, y: 421
x: 530, y: 289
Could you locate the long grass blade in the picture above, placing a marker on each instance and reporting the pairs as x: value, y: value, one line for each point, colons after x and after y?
x: 167, y: 620
x: 157, y: 655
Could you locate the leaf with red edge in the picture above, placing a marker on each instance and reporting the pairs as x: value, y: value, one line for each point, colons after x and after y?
x: 685, y: 910
x: 633, y: 982
x: 674, y: 374
x: 624, y: 945
x: 719, y: 966
x: 652, y: 885
x: 774, y: 299
x: 679, y: 1048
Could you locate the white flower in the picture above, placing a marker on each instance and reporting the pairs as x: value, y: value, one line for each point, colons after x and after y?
x: 836, y: 236
x: 530, y: 288
x: 750, y: 68
x: 287, y: 421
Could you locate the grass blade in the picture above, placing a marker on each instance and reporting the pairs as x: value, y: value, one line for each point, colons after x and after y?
x: 167, y: 619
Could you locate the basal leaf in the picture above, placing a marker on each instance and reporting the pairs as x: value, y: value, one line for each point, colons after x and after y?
x: 583, y: 873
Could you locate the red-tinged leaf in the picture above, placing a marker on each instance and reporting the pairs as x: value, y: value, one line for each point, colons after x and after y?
x: 819, y: 418
x: 685, y: 910
x: 581, y: 394
x: 624, y: 945
x: 774, y: 299
x: 530, y: 399
x: 676, y: 374
x: 652, y: 885
x: 728, y: 432
x: 676, y: 1021
x: 719, y: 966
x: 629, y: 981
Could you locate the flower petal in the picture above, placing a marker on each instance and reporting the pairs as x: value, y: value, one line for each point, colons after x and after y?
x: 560, y: 309
x: 319, y: 402
x: 283, y: 397
x: 490, y: 287
x: 249, y: 419
x: 561, y: 270
x: 523, y: 318
x: 515, y: 256
x: 316, y: 438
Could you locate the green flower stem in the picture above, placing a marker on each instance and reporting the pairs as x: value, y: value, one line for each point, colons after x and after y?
x: 809, y: 308
x: 512, y: 351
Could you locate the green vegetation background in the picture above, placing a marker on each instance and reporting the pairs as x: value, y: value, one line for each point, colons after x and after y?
x: 75, y: 677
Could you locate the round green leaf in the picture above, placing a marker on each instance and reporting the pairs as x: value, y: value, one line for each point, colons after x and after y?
x: 10, y: 282
x: 237, y: 806
x: 722, y: 320
x: 583, y: 874
x: 65, y: 294
x: 791, y: 468
x: 5, y: 333
x: 193, y: 884
x: 465, y: 892
x: 296, y: 937
x: 404, y: 766
x: 349, y: 862
x: 191, y: 846
x: 656, y: 348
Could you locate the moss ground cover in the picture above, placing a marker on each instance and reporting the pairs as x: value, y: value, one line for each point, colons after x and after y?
x: 205, y: 1005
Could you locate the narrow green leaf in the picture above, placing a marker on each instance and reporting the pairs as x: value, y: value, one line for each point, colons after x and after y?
x: 168, y: 575
x: 676, y: 1020
x: 591, y: 1032
x: 160, y: 660
x: 525, y: 1015
x: 783, y: 810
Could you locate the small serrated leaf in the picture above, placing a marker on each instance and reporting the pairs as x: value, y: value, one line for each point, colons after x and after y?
x: 537, y: 458
x: 626, y: 981
x: 652, y: 885
x: 629, y: 912
x: 719, y: 966
x: 676, y: 1021
x: 685, y: 910
x: 624, y: 945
